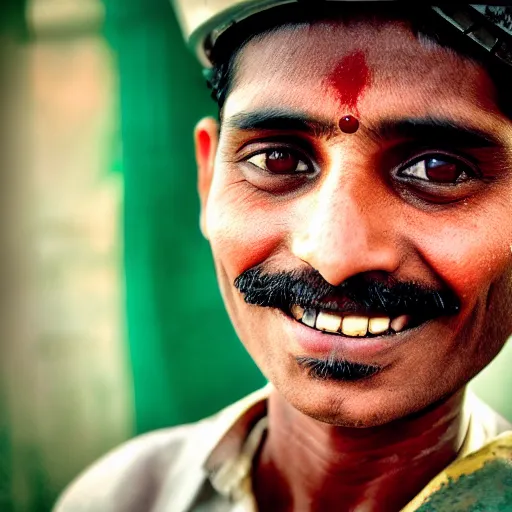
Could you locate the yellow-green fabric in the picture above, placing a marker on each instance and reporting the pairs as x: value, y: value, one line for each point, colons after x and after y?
x: 477, y: 481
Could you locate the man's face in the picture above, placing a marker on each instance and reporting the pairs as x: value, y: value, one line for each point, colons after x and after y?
x: 421, y: 193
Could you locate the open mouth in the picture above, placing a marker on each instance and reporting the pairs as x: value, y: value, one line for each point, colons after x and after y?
x: 352, y: 325
x: 361, y: 307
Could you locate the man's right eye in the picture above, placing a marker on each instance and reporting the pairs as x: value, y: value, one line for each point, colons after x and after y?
x: 279, y: 161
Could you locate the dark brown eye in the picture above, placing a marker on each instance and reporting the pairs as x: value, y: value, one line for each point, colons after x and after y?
x: 442, y: 171
x: 439, y: 169
x: 279, y: 162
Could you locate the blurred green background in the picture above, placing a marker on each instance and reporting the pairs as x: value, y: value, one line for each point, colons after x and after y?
x: 112, y: 322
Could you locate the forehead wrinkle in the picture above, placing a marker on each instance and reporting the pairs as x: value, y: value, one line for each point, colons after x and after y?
x: 267, y: 50
x: 321, y: 44
x: 291, y: 56
x: 287, y: 66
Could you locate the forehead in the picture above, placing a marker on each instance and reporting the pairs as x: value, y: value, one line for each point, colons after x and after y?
x: 408, y: 74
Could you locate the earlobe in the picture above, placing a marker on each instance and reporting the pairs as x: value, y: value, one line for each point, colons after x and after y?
x: 206, y: 138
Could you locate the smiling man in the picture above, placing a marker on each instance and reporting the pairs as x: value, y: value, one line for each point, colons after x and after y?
x: 357, y: 198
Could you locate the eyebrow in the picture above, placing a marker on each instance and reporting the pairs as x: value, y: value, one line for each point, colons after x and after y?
x: 435, y: 131
x: 282, y: 120
x: 428, y: 129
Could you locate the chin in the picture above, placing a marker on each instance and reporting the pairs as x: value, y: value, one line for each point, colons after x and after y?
x: 363, y: 404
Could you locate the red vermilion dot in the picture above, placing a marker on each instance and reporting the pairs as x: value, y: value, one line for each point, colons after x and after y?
x: 349, y: 124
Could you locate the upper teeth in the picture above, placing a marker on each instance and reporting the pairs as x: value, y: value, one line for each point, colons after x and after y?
x: 379, y: 325
x: 349, y: 325
x: 400, y: 323
x: 329, y: 322
x: 355, y: 325
x: 297, y: 312
x: 309, y: 317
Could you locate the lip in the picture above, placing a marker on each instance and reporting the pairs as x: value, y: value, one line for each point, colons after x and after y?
x: 320, y: 344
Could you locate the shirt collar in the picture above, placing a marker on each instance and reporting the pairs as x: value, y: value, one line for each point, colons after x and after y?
x: 233, y: 426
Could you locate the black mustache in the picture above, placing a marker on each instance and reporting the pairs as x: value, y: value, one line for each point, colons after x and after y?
x: 358, y: 294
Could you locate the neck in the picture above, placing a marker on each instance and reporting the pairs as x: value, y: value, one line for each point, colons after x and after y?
x: 308, y: 465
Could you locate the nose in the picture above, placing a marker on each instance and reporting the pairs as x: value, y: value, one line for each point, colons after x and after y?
x: 343, y: 232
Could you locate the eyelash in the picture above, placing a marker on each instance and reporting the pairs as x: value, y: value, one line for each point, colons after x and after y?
x: 303, y: 154
x: 471, y: 168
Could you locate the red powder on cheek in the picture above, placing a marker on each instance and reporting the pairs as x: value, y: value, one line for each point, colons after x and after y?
x: 349, y: 79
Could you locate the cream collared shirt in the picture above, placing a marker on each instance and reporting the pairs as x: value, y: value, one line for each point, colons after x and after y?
x: 206, y: 466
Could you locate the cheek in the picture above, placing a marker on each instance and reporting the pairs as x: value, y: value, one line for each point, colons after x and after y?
x: 469, y: 259
x: 243, y: 229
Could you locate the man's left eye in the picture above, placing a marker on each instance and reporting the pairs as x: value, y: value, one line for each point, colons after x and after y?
x: 439, y: 170
x: 280, y: 162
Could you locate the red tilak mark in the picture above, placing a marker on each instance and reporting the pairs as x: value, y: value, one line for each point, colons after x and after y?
x: 349, y: 79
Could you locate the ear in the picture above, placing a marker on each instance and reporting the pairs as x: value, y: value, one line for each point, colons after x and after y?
x: 206, y: 138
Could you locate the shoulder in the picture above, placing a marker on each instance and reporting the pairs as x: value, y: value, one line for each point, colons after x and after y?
x: 131, y: 477
x: 162, y: 470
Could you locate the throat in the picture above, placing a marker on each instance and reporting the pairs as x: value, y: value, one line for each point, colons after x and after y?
x: 312, y: 466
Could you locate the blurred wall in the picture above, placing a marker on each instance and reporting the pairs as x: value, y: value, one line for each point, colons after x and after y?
x: 66, y: 393
x: 494, y: 384
x: 186, y: 360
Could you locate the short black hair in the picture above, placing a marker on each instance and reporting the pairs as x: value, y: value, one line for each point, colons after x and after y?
x: 422, y: 19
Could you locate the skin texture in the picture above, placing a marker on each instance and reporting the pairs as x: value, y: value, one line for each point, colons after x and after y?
x: 355, y: 215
